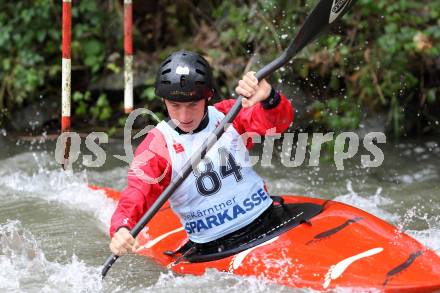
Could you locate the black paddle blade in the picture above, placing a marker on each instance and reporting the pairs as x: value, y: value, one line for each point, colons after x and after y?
x: 325, y: 13
x: 322, y: 16
x: 108, y: 264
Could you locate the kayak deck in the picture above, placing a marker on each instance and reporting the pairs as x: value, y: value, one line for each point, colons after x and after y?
x: 341, y: 247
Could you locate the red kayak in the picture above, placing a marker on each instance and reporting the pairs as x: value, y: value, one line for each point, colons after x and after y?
x: 337, y: 246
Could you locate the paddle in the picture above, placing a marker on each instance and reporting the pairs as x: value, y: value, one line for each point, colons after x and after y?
x: 323, y: 15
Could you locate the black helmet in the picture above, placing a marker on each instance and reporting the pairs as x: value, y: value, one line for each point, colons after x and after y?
x: 184, y: 76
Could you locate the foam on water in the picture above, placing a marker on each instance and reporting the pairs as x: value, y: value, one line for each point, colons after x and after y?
x: 430, y: 237
x: 372, y: 204
x: 230, y: 283
x: 24, y: 267
x: 170, y: 283
x: 55, y: 185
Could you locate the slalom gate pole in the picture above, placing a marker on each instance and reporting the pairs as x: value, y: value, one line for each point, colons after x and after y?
x: 66, y: 78
x: 128, y: 56
x: 66, y: 73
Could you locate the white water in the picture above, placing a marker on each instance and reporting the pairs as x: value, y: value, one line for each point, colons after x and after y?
x: 53, y: 228
x: 23, y: 265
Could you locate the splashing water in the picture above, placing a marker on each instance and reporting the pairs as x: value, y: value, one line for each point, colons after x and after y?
x: 65, y: 187
x: 372, y: 204
x: 28, y: 262
x: 168, y: 282
x: 23, y: 266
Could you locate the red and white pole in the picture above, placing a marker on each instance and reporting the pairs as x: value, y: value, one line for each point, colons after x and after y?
x: 66, y: 74
x: 128, y: 56
x: 66, y: 66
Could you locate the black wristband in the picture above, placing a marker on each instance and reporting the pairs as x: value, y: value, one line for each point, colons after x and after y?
x: 272, y: 101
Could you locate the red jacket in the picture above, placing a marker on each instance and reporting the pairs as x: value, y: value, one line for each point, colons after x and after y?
x: 139, y: 195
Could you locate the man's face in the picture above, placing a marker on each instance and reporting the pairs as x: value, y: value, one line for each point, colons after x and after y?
x: 186, y: 115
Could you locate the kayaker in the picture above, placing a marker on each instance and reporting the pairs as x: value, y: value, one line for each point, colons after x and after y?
x: 222, y: 195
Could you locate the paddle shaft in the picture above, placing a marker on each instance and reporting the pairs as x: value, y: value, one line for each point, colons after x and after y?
x: 318, y: 20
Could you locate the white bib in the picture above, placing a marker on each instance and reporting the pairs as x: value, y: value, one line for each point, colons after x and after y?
x: 223, y: 193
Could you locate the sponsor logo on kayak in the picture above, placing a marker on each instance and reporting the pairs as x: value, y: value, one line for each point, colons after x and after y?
x: 338, y: 269
x: 291, y: 149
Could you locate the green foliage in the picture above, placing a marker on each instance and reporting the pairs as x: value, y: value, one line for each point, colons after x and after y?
x: 381, y: 57
x: 101, y: 110
x: 81, y: 100
x: 337, y: 114
x: 393, y: 46
x: 85, y: 107
x: 378, y: 56
x: 94, y: 54
x: 149, y: 93
x: 30, y: 48
x: 23, y: 50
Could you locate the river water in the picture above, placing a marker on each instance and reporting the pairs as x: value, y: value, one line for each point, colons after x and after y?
x: 53, y: 228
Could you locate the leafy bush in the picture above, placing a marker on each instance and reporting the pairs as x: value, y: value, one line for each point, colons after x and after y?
x: 30, y: 48
x: 382, y: 57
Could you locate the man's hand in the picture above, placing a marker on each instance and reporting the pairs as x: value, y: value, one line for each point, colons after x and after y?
x: 252, y: 91
x: 122, y: 242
